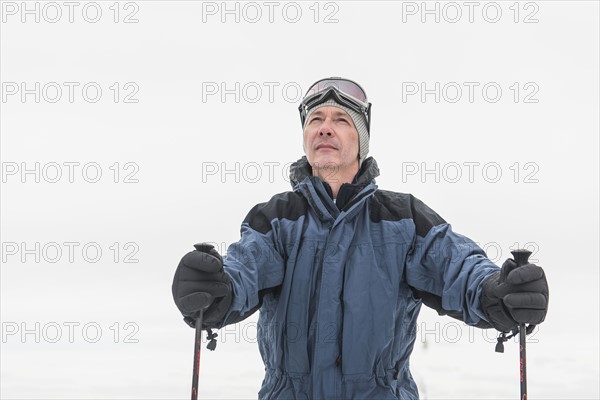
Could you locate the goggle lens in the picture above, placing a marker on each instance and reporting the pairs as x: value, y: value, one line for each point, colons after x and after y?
x: 343, y: 85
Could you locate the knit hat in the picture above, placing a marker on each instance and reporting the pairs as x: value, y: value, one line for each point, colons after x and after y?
x: 359, y: 123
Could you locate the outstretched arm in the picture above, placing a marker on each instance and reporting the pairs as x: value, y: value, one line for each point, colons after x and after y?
x: 446, y: 269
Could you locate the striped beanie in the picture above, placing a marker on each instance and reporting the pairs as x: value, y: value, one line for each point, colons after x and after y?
x: 359, y: 123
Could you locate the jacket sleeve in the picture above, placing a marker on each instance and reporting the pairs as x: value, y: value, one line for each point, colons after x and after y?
x: 446, y: 269
x: 256, y: 263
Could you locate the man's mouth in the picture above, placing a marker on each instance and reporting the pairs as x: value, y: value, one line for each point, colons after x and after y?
x: 325, y: 146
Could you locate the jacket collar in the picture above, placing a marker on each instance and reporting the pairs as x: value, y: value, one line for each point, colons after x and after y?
x: 319, y: 195
x: 367, y: 173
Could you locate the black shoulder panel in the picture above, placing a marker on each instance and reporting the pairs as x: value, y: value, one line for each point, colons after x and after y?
x: 286, y: 205
x: 390, y: 206
x: 393, y: 206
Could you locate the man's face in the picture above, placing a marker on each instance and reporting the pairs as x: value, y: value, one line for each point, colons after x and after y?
x: 331, y: 140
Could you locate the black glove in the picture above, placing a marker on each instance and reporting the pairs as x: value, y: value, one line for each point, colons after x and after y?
x: 200, y: 283
x: 515, y: 296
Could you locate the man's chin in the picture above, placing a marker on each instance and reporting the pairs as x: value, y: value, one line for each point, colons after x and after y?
x: 326, y: 163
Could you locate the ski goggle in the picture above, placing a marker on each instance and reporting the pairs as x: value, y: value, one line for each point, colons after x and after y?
x: 343, y: 91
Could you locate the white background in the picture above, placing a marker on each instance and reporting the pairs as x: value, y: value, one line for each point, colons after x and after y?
x: 181, y: 140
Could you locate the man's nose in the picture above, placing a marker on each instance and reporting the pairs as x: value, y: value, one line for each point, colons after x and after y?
x: 325, y: 128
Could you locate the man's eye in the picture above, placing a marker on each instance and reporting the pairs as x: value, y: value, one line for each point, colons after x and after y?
x: 313, y: 119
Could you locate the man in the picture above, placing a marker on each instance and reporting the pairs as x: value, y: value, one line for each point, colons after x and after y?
x: 339, y: 269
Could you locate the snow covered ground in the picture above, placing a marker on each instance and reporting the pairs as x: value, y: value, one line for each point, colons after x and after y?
x: 88, y: 313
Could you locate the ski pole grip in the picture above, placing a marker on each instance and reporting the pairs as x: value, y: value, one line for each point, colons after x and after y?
x: 521, y: 257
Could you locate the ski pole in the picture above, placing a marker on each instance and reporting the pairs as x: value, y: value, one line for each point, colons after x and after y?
x: 197, y: 347
x: 521, y: 257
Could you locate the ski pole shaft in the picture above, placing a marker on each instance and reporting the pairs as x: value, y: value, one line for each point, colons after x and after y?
x: 523, y: 360
x: 521, y: 257
x: 197, y: 347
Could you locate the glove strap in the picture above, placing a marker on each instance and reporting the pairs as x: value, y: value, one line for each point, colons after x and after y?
x: 504, y: 337
x: 210, y: 336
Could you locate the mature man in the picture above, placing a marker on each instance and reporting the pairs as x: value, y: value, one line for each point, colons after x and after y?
x: 339, y: 269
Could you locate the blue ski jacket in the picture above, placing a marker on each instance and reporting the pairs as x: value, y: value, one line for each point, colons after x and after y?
x: 339, y: 285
